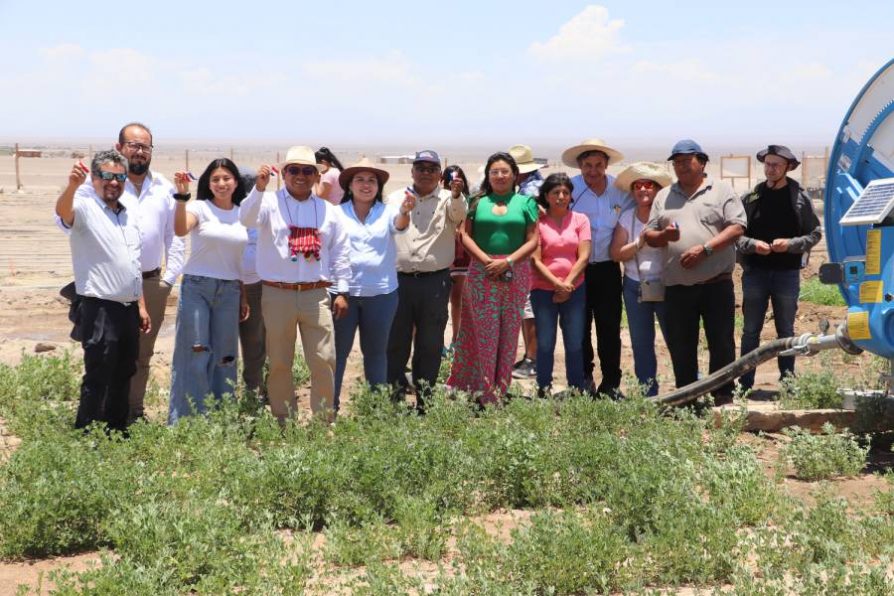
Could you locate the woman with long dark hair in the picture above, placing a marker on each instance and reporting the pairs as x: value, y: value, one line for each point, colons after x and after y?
x: 370, y: 226
x: 500, y: 235
x: 460, y: 266
x: 211, y: 297
x: 329, y: 187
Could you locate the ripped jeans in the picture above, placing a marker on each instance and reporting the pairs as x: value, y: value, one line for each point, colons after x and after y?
x: 206, y: 344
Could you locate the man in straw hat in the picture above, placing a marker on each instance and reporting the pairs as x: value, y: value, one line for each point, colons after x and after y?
x: 529, y: 183
x: 596, y: 196
x: 699, y: 220
x: 782, y: 228
x: 424, y: 254
x: 304, y: 264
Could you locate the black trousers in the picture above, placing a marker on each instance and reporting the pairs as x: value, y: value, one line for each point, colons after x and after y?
x: 111, y: 342
x: 420, y: 322
x: 714, y: 305
x: 604, y: 288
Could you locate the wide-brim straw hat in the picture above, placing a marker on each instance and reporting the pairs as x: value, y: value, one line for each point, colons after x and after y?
x: 301, y: 155
x: 569, y: 156
x: 524, y: 159
x: 643, y: 170
x: 364, y: 165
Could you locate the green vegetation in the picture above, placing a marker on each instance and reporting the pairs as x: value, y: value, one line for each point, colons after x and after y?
x: 810, y: 391
x: 816, y: 292
x: 616, y: 497
x: 820, y: 457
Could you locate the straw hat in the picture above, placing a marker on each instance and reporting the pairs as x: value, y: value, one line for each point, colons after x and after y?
x: 569, y: 156
x: 524, y: 159
x: 301, y: 155
x: 643, y: 170
x: 364, y: 165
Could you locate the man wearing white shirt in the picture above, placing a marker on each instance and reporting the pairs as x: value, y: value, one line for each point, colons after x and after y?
x: 302, y: 256
x: 596, y: 196
x: 149, y: 197
x: 105, y: 251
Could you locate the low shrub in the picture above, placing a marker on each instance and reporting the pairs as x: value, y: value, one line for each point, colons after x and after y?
x: 827, y: 455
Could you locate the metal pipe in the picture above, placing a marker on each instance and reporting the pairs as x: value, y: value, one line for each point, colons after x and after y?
x: 805, y: 345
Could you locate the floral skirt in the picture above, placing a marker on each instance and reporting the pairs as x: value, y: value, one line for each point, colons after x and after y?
x: 487, y: 343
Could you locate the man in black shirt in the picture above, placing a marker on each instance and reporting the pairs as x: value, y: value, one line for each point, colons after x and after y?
x: 782, y: 228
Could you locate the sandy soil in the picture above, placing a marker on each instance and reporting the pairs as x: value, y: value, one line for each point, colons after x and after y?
x: 35, y: 262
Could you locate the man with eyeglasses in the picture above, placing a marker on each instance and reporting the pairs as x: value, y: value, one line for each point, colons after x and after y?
x: 596, y: 196
x: 304, y: 262
x: 782, y: 228
x: 105, y: 253
x: 424, y: 254
x: 698, y: 219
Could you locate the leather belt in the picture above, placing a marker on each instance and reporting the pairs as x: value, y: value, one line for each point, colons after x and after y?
x: 300, y: 286
x: 150, y: 274
x: 422, y: 273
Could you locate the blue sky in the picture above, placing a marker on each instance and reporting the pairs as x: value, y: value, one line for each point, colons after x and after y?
x: 475, y: 73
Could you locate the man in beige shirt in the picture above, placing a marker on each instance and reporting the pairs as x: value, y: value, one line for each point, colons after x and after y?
x: 424, y: 254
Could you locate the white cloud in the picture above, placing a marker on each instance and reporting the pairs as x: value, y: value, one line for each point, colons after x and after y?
x: 62, y: 53
x: 393, y: 68
x: 588, y: 36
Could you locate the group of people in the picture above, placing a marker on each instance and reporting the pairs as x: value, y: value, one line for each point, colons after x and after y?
x: 330, y: 254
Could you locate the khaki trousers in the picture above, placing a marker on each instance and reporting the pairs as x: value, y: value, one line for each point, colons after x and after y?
x: 155, y: 293
x: 310, y: 311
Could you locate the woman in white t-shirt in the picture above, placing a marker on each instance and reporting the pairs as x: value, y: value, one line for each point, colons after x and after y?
x: 643, y: 266
x: 329, y: 187
x: 212, y: 301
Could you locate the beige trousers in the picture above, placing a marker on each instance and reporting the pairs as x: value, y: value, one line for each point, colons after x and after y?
x: 155, y: 293
x: 310, y: 311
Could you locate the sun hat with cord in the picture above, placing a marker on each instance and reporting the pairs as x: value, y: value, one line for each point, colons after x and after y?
x: 524, y: 159
x: 779, y: 151
x: 364, y: 165
x: 643, y: 170
x: 301, y: 155
x: 570, y: 155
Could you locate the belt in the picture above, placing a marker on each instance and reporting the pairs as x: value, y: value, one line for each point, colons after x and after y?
x: 300, y: 286
x: 422, y: 273
x: 718, y: 278
x: 150, y: 274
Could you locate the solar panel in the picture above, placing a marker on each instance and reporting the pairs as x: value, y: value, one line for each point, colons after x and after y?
x: 873, y: 205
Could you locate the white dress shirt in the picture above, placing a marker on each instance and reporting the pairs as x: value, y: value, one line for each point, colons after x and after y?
x: 603, y: 212
x: 272, y: 213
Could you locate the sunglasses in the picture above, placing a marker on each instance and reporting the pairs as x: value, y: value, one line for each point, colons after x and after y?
x: 294, y: 170
x: 109, y: 176
x: 644, y: 185
x: 427, y: 169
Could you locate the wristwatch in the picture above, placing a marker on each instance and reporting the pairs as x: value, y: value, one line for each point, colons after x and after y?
x: 708, y: 250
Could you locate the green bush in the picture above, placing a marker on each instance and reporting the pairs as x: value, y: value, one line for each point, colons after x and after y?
x: 810, y: 391
x: 828, y: 455
x: 817, y: 292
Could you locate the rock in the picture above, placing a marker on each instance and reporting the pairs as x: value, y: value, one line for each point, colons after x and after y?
x: 43, y: 347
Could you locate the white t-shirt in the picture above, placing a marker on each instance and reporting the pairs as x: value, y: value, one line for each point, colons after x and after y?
x: 217, y: 242
x: 651, y: 258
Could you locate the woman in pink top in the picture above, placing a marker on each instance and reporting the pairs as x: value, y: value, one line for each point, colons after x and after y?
x: 557, y: 293
x: 328, y: 187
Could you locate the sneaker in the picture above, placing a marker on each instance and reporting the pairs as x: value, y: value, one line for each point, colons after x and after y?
x: 524, y: 369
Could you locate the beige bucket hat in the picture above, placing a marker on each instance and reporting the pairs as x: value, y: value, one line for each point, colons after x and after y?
x: 524, y: 159
x: 301, y: 155
x: 569, y: 156
x: 364, y: 165
x: 643, y: 170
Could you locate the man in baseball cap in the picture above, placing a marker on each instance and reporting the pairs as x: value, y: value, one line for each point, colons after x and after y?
x: 782, y: 228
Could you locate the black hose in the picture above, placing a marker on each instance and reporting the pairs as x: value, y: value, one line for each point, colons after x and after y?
x: 728, y: 373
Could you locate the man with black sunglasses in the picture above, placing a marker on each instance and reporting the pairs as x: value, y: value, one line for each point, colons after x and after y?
x: 425, y: 252
x: 105, y: 252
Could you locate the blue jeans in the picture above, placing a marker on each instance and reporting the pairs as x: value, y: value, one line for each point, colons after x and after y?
x: 641, y: 324
x: 374, y: 315
x: 571, y: 315
x: 206, y: 344
x: 760, y: 287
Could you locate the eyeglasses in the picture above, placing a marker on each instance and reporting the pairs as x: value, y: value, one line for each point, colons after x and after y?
x: 137, y: 147
x: 294, y: 170
x: 427, y: 169
x: 109, y: 176
x: 643, y: 185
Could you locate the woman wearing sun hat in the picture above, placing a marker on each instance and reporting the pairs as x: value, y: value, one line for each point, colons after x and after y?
x: 643, y: 266
x: 370, y: 226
